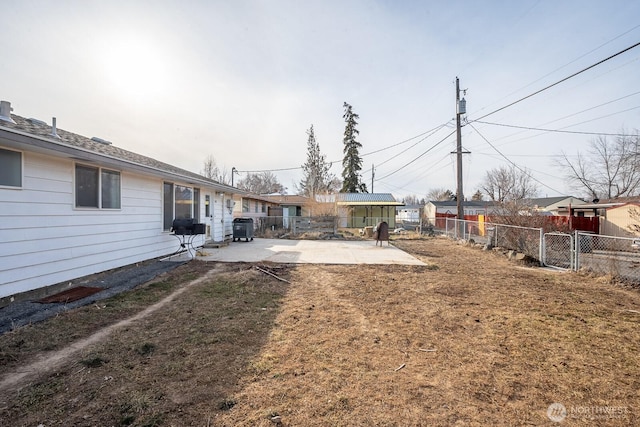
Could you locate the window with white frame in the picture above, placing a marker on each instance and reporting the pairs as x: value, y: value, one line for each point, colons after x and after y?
x: 97, y: 188
x: 10, y: 168
x: 179, y: 201
x: 245, y: 205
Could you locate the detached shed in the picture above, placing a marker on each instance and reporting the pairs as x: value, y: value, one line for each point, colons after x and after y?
x: 357, y: 210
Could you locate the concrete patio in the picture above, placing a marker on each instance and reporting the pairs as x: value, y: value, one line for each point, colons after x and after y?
x: 307, y: 251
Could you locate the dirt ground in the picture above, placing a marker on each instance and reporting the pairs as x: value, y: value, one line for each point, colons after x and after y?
x: 471, y: 339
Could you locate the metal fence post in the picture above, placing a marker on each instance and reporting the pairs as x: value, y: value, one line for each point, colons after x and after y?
x: 541, y: 249
x: 575, y: 251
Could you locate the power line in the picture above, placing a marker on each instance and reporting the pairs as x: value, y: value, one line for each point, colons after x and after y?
x: 494, y: 156
x: 575, y: 124
x: 402, y: 152
x: 561, y: 80
x: 470, y: 123
x: 553, y: 130
x: 434, y: 130
x: 570, y: 62
x: 430, y: 132
x: 592, y: 108
x: 565, y: 127
x: 426, y: 170
x: 512, y: 163
x: 412, y: 161
x: 270, y: 170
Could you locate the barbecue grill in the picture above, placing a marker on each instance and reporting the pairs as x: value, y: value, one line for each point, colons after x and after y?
x: 186, y: 230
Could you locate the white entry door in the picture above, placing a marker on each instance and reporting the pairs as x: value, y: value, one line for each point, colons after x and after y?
x: 208, y: 214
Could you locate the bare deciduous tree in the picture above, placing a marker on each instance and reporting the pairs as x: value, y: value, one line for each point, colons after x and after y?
x: 316, y: 178
x: 440, y: 194
x: 410, y: 199
x: 261, y: 183
x: 609, y: 169
x: 509, y: 186
x: 211, y: 170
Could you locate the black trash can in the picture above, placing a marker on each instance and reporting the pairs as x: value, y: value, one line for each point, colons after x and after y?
x: 243, y: 229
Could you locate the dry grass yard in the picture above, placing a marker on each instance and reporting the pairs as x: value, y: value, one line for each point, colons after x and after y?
x: 472, y: 339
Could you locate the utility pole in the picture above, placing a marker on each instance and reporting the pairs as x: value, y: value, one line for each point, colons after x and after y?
x: 373, y: 174
x: 460, y: 109
x: 233, y: 172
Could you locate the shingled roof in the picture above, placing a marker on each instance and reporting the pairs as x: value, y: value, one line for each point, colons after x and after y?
x: 39, y: 135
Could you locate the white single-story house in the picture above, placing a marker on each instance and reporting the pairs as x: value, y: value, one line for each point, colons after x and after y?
x: 556, y: 206
x: 255, y: 206
x: 71, y: 206
x: 288, y: 206
x: 264, y: 212
x: 408, y: 213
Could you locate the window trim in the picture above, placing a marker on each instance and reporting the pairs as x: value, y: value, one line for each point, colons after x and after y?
x: 195, y: 203
x: 99, y: 190
x: 21, y: 186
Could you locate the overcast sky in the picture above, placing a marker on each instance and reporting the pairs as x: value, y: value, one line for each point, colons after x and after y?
x: 244, y: 80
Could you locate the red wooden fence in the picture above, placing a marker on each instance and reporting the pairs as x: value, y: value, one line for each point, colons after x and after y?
x: 572, y: 223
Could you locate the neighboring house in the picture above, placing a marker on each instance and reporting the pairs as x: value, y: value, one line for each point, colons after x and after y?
x: 409, y: 213
x: 289, y: 206
x: 72, y: 206
x: 357, y: 210
x: 434, y: 209
x: 555, y: 206
x: 253, y: 206
x: 621, y: 220
x: 257, y: 208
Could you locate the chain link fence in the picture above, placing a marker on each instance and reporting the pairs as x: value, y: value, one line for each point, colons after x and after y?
x: 525, y: 240
x: 618, y: 257
x: 558, y: 250
x: 273, y: 226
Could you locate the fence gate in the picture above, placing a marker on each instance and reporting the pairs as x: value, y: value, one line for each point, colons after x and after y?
x: 558, y: 250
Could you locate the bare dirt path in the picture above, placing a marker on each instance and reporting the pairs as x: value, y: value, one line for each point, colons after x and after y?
x: 48, y: 362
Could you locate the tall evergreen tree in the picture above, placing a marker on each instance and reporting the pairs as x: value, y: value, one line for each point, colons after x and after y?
x: 316, y: 177
x: 351, y: 163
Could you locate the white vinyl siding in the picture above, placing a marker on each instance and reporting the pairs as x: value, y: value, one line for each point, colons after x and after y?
x: 45, y: 240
